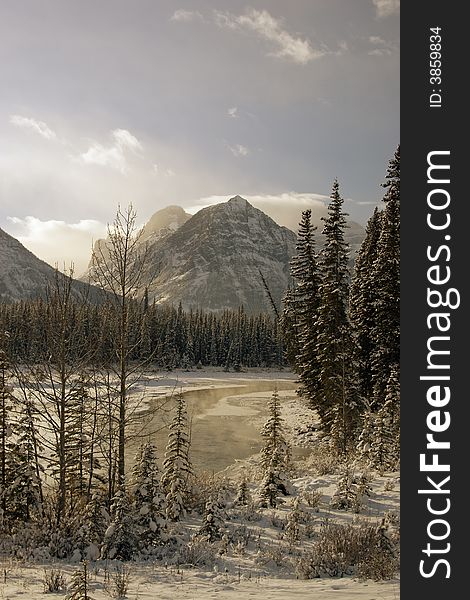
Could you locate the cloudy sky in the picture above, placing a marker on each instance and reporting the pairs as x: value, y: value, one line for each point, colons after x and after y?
x: 159, y: 102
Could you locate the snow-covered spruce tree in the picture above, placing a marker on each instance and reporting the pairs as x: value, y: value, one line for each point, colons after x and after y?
x: 362, y: 299
x: 148, y: 499
x: 243, y: 495
x: 82, y: 464
x: 80, y: 584
x: 275, y: 456
x: 24, y: 495
x: 292, y: 528
x: 345, y: 496
x: 92, y: 524
x: 177, y: 465
x: 305, y: 302
x: 379, y: 442
x: 213, y: 522
x: 337, y: 398
x: 120, y: 539
x: 386, y: 277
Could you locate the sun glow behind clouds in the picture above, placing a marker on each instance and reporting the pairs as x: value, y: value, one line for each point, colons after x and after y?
x: 57, y: 242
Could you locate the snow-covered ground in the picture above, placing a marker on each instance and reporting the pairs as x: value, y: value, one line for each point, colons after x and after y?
x: 264, y: 569
x: 157, y: 583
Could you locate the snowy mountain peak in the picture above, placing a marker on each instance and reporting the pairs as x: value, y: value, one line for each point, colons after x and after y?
x: 164, y: 221
x: 239, y: 200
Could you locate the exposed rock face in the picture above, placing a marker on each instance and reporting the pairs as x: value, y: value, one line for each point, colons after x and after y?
x: 214, y: 260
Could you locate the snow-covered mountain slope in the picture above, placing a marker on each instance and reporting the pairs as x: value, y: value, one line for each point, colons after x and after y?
x: 214, y: 260
x: 23, y: 275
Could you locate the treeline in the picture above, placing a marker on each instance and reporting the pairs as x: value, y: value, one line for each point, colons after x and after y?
x: 166, y: 337
x: 342, y: 331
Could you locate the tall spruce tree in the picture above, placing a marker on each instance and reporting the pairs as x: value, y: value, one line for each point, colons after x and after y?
x: 305, y: 305
x: 336, y: 400
x: 386, y: 276
x: 362, y: 305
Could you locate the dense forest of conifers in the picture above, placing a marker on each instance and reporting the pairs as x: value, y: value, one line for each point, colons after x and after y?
x: 166, y: 337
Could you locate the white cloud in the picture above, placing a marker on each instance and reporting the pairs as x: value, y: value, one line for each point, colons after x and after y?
x: 233, y: 112
x: 186, y: 15
x: 385, y: 8
x: 269, y: 28
x: 239, y: 150
x: 57, y: 242
x: 166, y: 172
x: 383, y: 48
x: 37, y: 126
x: 114, y: 156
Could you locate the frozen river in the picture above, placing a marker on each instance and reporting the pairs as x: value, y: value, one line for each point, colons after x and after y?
x: 225, y: 416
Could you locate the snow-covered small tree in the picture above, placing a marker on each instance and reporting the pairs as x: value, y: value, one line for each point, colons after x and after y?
x: 275, y: 455
x: 345, y: 496
x: 177, y: 465
x: 148, y: 499
x: 379, y: 442
x: 243, y: 495
x: 213, y: 522
x: 80, y: 584
x: 24, y: 496
x: 292, y: 528
x: 120, y: 539
x: 93, y: 523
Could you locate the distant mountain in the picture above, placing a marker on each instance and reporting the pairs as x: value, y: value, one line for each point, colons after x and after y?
x: 23, y: 275
x: 163, y: 223
x: 213, y: 260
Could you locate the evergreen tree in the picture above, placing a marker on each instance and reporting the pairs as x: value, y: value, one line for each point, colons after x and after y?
x: 177, y: 465
x: 292, y: 528
x: 305, y: 303
x: 362, y: 305
x: 93, y: 523
x: 275, y: 455
x: 386, y: 275
x: 213, y: 522
x: 336, y: 400
x: 379, y: 442
x: 120, y: 540
x: 243, y: 495
x: 23, y: 495
x: 345, y: 496
x: 80, y: 585
x: 148, y: 498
